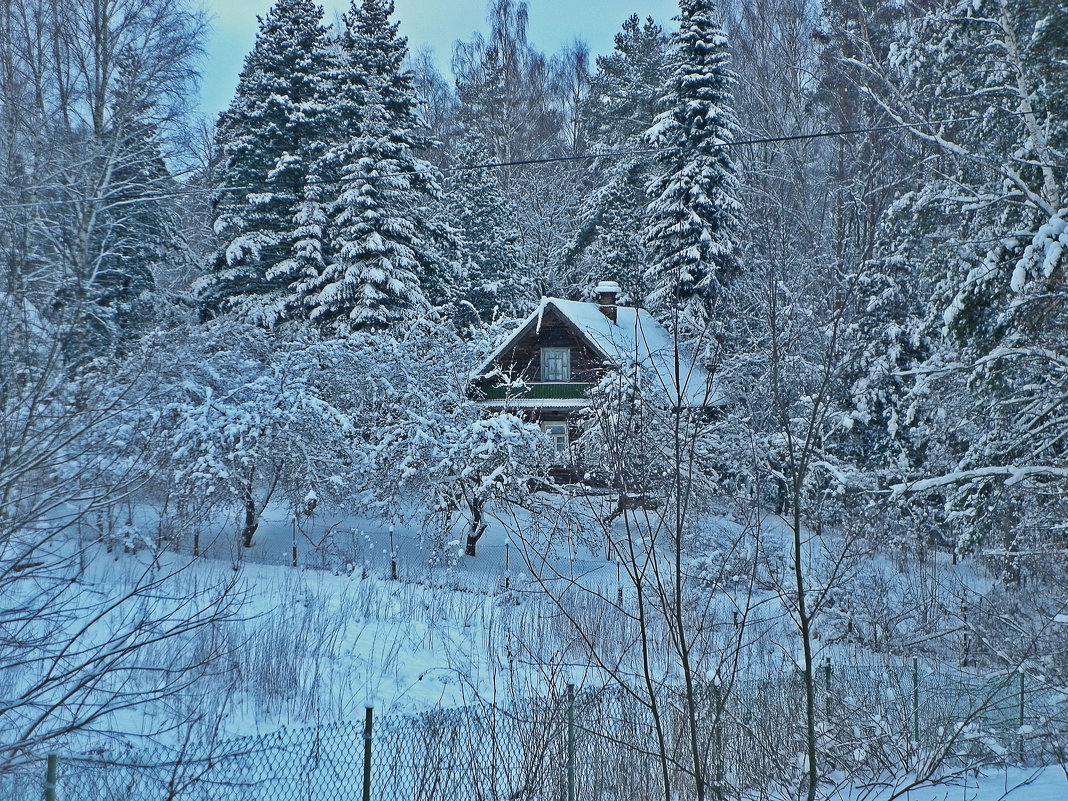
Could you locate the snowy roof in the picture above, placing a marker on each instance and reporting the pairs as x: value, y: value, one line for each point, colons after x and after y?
x: 635, y: 335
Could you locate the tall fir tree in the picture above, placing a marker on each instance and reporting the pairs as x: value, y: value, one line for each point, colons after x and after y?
x: 387, y: 263
x: 476, y: 205
x: 622, y: 101
x: 694, y: 208
x: 268, y: 204
x: 375, y: 47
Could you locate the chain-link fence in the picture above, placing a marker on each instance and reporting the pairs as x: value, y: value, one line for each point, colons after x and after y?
x: 598, y: 745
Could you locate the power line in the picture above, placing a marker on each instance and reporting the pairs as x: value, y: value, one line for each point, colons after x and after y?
x: 493, y: 165
x: 733, y: 143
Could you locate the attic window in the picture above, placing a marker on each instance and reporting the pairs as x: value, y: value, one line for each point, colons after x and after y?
x: 555, y: 364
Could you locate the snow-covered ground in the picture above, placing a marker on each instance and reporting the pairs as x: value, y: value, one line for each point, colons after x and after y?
x: 318, y: 642
x: 1011, y: 784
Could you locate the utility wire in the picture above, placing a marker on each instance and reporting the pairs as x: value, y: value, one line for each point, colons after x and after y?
x: 493, y: 165
x: 733, y: 143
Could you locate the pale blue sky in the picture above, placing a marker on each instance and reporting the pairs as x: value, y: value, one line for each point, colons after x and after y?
x: 434, y: 23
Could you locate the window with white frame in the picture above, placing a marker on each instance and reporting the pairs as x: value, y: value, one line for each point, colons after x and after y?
x: 557, y: 433
x: 555, y: 364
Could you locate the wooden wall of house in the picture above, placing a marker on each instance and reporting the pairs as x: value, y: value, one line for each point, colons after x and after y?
x: 524, y: 359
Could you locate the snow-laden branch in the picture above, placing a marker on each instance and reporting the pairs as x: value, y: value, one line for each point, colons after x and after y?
x: 1012, y: 473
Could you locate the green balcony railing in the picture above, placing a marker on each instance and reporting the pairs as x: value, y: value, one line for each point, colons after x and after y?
x: 548, y: 391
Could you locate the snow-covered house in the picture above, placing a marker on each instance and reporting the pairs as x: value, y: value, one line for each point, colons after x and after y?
x: 544, y: 369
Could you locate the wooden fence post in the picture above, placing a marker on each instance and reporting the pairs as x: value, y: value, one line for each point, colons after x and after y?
x: 916, y: 702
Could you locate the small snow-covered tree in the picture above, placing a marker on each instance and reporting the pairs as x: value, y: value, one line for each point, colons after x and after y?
x: 625, y: 436
x: 430, y: 442
x: 248, y: 418
x: 479, y: 464
x: 694, y: 208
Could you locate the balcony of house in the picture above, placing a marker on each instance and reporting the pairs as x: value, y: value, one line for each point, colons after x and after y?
x: 554, y: 394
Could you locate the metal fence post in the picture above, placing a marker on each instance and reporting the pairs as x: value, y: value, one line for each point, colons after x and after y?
x: 51, y: 775
x: 570, y: 742
x: 964, y: 628
x: 367, y: 754
x: 718, y: 706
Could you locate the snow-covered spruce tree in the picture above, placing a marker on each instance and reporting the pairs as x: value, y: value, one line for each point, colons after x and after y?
x: 694, y: 208
x: 621, y: 102
x: 477, y: 207
x: 268, y: 204
x: 386, y: 263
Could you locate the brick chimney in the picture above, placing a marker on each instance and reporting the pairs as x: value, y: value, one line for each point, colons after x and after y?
x: 607, y: 292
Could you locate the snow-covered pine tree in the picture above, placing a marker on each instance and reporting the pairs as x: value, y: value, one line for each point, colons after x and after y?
x: 386, y: 264
x: 479, y: 210
x: 694, y: 208
x: 268, y: 204
x: 622, y: 100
